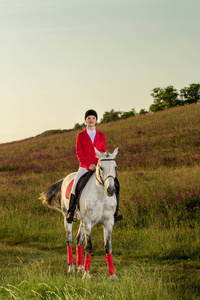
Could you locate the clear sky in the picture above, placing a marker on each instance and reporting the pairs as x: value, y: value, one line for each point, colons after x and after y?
x: 59, y: 58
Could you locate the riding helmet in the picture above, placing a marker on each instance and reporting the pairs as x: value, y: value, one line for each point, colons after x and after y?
x: 91, y: 112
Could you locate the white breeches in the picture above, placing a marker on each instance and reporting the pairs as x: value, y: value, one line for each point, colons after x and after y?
x: 81, y: 172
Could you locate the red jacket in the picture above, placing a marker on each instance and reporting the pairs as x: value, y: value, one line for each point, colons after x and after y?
x: 85, y: 148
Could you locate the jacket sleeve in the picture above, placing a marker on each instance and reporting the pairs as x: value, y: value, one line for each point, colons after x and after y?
x: 102, y: 147
x: 103, y: 143
x: 80, y: 153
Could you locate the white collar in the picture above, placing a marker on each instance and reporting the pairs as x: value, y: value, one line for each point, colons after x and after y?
x: 91, y: 131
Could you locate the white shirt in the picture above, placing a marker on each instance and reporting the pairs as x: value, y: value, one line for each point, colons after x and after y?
x: 91, y: 134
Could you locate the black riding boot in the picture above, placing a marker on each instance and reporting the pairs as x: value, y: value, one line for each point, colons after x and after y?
x: 117, y: 217
x: 71, y: 210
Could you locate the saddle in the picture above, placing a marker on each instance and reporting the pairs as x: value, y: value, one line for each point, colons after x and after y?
x: 80, y: 185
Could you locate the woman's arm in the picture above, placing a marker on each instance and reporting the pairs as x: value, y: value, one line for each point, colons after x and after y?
x: 80, y: 153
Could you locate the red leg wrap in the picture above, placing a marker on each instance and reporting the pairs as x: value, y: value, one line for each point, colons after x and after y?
x: 111, y: 269
x: 87, y: 262
x: 79, y: 256
x: 70, y: 255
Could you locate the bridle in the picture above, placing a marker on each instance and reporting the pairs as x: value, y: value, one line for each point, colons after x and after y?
x: 102, y: 181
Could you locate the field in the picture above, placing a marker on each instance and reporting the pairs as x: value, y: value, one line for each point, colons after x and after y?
x: 156, y: 249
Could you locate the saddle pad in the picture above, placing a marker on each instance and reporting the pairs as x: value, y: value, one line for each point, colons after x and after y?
x: 80, y: 185
x: 69, y: 188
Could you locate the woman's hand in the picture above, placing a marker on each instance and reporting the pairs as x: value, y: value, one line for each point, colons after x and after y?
x: 92, y: 167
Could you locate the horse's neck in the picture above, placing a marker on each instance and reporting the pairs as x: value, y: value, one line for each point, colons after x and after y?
x: 100, y: 189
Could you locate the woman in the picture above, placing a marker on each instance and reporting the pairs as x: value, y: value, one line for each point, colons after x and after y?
x: 86, y: 141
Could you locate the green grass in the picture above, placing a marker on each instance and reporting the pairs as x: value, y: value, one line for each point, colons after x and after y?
x: 145, y: 267
x: 155, y: 249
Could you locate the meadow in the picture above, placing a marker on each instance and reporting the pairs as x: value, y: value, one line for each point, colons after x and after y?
x: 156, y: 249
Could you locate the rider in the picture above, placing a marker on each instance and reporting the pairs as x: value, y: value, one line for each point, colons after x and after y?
x: 85, y: 143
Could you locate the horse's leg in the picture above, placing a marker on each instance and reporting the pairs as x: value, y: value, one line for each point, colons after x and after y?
x: 108, y: 227
x: 79, y: 251
x: 68, y: 228
x: 88, y: 250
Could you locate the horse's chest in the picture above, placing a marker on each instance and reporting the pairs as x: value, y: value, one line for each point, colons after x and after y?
x: 94, y: 208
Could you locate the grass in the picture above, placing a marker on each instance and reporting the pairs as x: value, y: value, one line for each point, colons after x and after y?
x: 146, y: 269
x: 144, y: 283
x: 155, y: 249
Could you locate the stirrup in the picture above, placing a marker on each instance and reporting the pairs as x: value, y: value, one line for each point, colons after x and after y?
x: 118, y: 217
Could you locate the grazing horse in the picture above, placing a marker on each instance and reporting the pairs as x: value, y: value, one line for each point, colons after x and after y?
x: 97, y: 203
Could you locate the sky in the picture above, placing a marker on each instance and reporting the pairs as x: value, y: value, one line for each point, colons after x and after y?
x: 59, y: 58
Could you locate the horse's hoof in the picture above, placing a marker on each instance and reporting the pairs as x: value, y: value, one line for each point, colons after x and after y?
x: 71, y: 269
x: 114, y: 277
x: 87, y: 276
x: 80, y: 269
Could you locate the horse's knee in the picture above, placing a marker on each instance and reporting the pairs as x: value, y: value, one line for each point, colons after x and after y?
x: 108, y: 250
x: 69, y: 237
x: 108, y: 247
x: 79, y: 239
x: 88, y: 248
x: 69, y: 241
x: 87, y: 233
x: 80, y: 236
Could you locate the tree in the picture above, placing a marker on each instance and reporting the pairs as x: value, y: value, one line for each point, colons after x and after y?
x: 128, y: 114
x: 78, y: 126
x: 190, y: 94
x: 143, y: 112
x: 164, y: 98
x: 110, y: 116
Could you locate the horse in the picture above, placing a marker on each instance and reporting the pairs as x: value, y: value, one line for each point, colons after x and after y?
x: 97, y: 204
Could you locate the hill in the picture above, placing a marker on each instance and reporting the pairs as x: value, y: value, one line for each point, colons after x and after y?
x: 168, y: 138
x: 156, y: 248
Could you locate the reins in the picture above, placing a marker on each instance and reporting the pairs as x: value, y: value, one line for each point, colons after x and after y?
x: 102, y: 182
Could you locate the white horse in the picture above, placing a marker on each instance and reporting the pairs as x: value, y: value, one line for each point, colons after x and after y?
x: 97, y: 204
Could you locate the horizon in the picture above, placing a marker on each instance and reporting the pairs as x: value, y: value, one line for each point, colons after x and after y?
x: 72, y: 129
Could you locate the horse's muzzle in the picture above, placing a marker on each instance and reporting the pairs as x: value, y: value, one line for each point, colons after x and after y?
x: 110, y: 191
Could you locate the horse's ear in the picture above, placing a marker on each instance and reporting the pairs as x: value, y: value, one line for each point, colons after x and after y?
x: 99, y: 154
x: 115, y: 152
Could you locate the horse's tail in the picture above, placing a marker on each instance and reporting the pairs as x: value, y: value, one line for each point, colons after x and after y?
x: 48, y: 196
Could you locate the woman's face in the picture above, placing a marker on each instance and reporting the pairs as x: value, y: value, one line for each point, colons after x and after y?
x: 91, y: 121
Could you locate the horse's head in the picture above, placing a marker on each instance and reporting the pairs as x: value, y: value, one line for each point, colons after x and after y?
x: 106, y: 170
